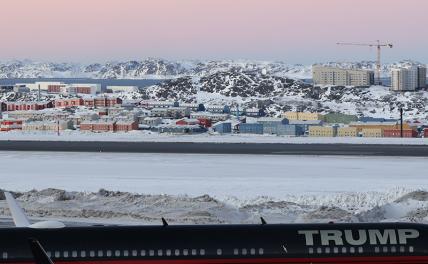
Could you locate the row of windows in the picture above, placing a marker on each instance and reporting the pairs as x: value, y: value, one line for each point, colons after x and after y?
x: 143, y: 253
x: 359, y: 250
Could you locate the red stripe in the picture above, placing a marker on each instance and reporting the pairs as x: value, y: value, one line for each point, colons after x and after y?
x: 342, y: 260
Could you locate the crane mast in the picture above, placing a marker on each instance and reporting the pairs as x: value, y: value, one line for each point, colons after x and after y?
x: 378, y: 46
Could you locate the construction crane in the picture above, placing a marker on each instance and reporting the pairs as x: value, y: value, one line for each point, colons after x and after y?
x: 378, y: 45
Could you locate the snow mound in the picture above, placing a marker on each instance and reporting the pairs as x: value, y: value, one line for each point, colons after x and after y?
x: 130, y: 208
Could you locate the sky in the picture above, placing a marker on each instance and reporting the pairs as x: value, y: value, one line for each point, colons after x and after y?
x: 294, y: 31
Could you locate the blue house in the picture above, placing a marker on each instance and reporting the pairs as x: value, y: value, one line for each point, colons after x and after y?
x: 251, y: 128
x: 223, y: 127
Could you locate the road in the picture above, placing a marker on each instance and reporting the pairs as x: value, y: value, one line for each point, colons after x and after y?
x: 219, y: 148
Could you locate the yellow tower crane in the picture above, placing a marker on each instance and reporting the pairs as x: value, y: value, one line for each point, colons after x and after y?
x: 378, y: 45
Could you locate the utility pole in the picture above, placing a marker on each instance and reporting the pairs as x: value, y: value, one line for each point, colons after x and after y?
x: 38, y: 95
x: 401, y: 122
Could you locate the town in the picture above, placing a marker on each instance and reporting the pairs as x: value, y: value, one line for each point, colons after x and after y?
x: 86, y: 108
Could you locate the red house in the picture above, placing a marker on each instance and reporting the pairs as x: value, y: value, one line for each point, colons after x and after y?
x: 64, y: 103
x: 205, y: 122
x: 187, y: 122
x: 407, y: 133
x: 426, y: 133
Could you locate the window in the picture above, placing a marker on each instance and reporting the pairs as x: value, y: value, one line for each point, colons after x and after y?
x: 376, y: 249
x: 253, y: 251
x: 117, y: 253
x: 202, y: 252
x: 219, y: 251
x: 344, y: 250
x: 125, y: 253
x: 336, y: 250
x: 319, y: 250
x: 351, y: 250
x: 49, y: 254
x: 261, y: 251
x: 108, y: 253
x: 100, y: 253
x: 134, y: 253
x: 142, y: 252
x: 168, y: 252
x: 327, y: 250
x: 177, y: 252
x: 160, y: 252
x: 74, y: 254
x: 83, y: 254
x: 92, y: 253
x: 4, y: 255
x: 360, y: 249
x: 151, y: 252
x: 65, y: 254
x: 185, y: 252
x: 194, y: 252
x: 235, y: 251
x: 385, y: 249
x: 57, y: 254
x: 411, y: 249
x: 402, y: 249
x: 311, y: 251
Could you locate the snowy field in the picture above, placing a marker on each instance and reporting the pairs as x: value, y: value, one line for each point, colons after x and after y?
x: 147, y: 136
x: 216, y: 188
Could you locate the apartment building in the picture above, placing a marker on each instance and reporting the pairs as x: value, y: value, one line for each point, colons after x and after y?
x: 322, y: 131
x: 303, y: 116
x: 324, y: 75
x: 347, y: 132
x: 372, y: 132
x: 408, y: 78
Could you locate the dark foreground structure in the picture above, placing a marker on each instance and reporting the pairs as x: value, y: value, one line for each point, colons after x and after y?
x: 219, y: 148
x: 221, y: 244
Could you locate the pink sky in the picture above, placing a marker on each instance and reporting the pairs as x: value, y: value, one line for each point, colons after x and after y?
x: 297, y: 31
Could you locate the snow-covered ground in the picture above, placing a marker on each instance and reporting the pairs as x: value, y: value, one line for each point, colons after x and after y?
x: 216, y: 188
x: 147, y: 136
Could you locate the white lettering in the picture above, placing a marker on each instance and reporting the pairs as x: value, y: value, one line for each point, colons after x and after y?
x: 331, y: 235
x: 309, y: 236
x: 404, y: 234
x: 362, y: 237
x: 383, y: 238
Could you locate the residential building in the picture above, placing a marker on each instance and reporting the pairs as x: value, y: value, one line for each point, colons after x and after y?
x: 347, y: 132
x: 214, y: 117
x: 21, y: 89
x: 290, y: 130
x: 404, y: 79
x: 102, y: 102
x: 10, y: 124
x: 324, y: 75
x: 150, y: 121
x: 26, y: 106
x: 223, y: 127
x: 271, y: 124
x: 422, y: 77
x: 251, y: 128
x: 407, y: 133
x: 69, y: 102
x: 381, y: 125
x: 158, y: 104
x: 97, y: 126
x: 82, y: 88
x: 322, y: 131
x: 122, y: 89
x: 425, y: 132
x: 372, y: 132
x: 302, y: 116
x: 47, y: 125
x: 218, y: 109
x: 192, y: 107
x: 171, y: 112
x: 174, y: 129
x: 256, y: 112
x: 187, y: 122
x: 43, y: 86
x: 126, y: 125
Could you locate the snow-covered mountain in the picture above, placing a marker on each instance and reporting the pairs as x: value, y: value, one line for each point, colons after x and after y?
x: 164, y: 69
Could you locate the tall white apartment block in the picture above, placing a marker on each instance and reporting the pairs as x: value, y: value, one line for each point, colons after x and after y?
x: 408, y: 78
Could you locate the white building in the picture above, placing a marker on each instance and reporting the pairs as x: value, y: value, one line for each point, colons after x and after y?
x: 407, y: 78
x: 324, y: 75
x: 122, y: 89
x: 82, y: 88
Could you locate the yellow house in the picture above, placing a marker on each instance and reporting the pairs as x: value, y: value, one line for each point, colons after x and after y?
x: 347, y: 132
x: 372, y: 132
x: 322, y: 131
x: 302, y: 116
